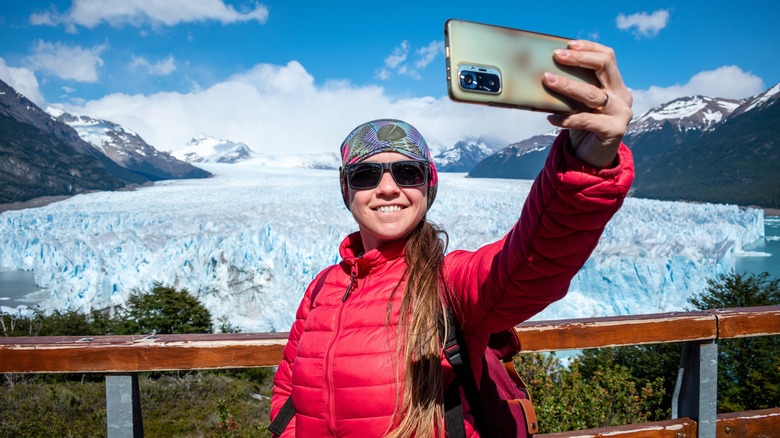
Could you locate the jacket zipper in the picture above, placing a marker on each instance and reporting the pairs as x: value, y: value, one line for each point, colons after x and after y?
x: 352, y: 285
x: 329, y: 359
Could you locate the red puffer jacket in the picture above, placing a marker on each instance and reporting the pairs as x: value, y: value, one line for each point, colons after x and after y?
x: 340, y: 363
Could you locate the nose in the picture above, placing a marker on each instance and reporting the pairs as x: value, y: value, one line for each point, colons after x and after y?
x: 387, y: 184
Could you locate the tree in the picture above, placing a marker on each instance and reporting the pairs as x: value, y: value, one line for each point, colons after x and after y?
x: 646, y: 364
x: 565, y: 399
x: 748, y: 368
x: 165, y: 310
x: 738, y: 290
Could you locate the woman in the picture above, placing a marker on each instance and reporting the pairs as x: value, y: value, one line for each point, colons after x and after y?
x: 364, y: 357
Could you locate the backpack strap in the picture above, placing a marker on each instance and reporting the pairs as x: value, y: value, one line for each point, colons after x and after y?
x: 456, y: 355
x: 283, y: 418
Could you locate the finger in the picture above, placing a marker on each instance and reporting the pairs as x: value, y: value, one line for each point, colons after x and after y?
x: 605, y: 128
x: 606, y: 71
x: 594, y: 56
x: 603, y: 64
x: 593, y: 97
x: 589, y: 46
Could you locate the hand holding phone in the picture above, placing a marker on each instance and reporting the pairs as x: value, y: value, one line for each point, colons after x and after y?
x: 501, y: 66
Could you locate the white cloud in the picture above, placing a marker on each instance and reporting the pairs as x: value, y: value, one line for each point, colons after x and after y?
x: 727, y: 82
x: 397, y: 62
x: 67, y: 62
x: 91, y: 13
x: 281, y: 109
x: 429, y: 53
x: 23, y: 81
x: 159, y: 68
x: 398, y: 56
x: 644, y: 24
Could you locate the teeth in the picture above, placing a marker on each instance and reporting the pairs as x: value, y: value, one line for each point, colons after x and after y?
x: 389, y: 208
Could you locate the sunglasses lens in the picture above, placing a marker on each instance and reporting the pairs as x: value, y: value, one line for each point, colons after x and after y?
x: 365, y: 175
x: 409, y: 173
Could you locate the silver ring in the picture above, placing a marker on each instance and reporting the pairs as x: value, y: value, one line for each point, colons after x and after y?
x: 603, y: 105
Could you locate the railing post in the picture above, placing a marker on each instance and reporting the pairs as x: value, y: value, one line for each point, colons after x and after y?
x: 696, y: 390
x: 123, y: 406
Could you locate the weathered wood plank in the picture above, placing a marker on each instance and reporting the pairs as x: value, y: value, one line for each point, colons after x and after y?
x: 208, y: 351
x: 107, y: 354
x: 679, y: 428
x: 748, y: 321
x: 616, y: 331
x: 755, y: 424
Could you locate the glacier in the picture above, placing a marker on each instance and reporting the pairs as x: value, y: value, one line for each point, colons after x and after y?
x: 249, y: 240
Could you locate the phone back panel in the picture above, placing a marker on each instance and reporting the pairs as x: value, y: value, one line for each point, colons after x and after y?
x: 520, y: 56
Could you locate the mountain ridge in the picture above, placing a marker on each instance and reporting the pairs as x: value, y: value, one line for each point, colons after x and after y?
x: 694, y: 148
x: 128, y: 149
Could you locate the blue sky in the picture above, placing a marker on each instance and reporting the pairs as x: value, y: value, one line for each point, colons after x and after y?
x: 287, y: 76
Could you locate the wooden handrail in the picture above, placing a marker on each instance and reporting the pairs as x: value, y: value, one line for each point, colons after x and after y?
x: 617, y: 331
x: 755, y: 424
x: 763, y: 423
x: 117, y: 354
x: 109, y: 354
x: 132, y: 354
x: 747, y: 321
x: 679, y: 428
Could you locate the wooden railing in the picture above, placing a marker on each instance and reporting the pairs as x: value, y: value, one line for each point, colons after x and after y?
x: 694, y: 402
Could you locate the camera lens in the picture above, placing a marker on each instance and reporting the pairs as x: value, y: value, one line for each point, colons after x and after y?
x: 468, y: 80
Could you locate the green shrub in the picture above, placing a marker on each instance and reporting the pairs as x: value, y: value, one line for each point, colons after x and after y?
x: 566, y: 399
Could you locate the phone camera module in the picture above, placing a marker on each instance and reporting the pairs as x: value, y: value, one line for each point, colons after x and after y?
x: 479, y: 79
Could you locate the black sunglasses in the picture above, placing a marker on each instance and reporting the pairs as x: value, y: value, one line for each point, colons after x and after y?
x: 407, y: 173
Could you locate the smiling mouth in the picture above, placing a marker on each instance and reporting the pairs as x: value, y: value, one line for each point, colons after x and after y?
x: 389, y: 208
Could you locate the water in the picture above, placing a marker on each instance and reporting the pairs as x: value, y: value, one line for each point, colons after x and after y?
x: 18, y: 288
x: 770, y: 244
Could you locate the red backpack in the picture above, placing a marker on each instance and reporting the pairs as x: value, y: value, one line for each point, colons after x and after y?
x: 501, y: 406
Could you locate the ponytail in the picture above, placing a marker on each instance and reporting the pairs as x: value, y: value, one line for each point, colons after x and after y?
x: 420, y: 408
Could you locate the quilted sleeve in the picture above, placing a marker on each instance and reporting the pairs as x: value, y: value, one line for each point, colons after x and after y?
x: 570, y: 202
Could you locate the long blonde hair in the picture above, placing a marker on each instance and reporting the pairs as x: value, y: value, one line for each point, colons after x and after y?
x: 420, y: 412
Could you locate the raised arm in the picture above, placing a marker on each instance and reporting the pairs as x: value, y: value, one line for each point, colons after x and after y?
x: 585, y: 178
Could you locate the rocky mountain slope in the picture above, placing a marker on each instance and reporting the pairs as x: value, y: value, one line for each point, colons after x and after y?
x: 128, y: 149
x: 43, y: 156
x: 693, y: 148
x: 40, y: 156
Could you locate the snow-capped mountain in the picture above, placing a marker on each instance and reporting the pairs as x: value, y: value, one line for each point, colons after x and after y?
x: 127, y: 148
x: 520, y: 160
x: 205, y: 149
x: 735, y: 161
x: 699, y: 113
x: 768, y: 97
x: 692, y: 148
x: 465, y: 154
x: 45, y: 157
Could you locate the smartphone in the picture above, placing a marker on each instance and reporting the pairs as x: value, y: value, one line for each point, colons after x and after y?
x: 501, y: 66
